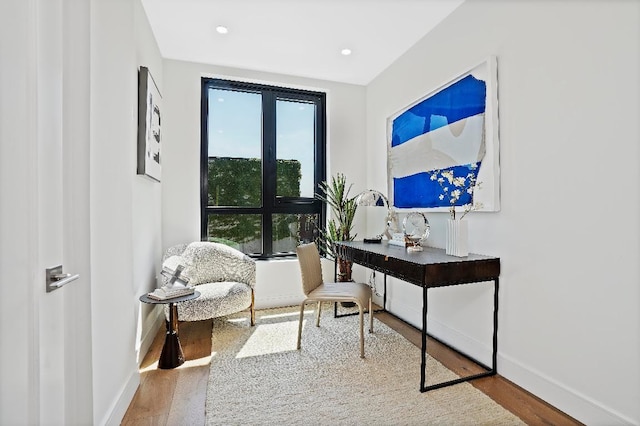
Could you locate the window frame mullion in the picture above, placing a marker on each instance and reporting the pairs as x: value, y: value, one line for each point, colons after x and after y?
x: 268, y: 168
x: 204, y: 160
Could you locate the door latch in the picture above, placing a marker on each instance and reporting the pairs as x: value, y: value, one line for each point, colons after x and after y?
x: 55, y: 278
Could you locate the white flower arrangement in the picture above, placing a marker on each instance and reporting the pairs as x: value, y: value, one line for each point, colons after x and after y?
x: 454, y: 187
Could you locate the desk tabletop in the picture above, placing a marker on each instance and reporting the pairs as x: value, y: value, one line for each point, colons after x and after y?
x: 431, y: 267
x: 429, y: 255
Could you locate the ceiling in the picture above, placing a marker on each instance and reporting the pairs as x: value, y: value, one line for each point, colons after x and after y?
x: 295, y: 37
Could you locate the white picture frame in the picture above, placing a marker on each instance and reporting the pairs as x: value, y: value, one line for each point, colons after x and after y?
x: 423, y: 157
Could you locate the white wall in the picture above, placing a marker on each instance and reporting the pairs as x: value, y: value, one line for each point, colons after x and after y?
x: 181, y: 170
x: 147, y: 208
x: 569, y: 106
x: 125, y: 207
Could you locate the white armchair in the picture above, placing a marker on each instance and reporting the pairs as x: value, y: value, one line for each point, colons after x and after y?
x: 224, y: 276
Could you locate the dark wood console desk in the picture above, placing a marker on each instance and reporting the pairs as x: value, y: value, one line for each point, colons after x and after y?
x: 429, y: 269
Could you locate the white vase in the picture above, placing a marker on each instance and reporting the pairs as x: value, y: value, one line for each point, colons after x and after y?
x: 457, y: 237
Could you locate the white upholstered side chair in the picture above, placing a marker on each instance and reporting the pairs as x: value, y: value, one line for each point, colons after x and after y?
x: 316, y: 290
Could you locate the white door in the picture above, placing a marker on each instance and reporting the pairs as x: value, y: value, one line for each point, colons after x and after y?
x: 46, y: 336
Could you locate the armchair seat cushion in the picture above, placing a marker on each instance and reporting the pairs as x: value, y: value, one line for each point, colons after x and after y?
x: 217, y: 299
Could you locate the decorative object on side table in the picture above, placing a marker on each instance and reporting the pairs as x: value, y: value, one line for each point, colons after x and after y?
x: 178, y: 284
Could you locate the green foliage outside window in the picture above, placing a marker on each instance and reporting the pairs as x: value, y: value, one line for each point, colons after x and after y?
x: 237, y: 182
x: 288, y: 176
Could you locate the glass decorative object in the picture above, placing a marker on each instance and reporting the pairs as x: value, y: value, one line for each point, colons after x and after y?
x: 416, y: 228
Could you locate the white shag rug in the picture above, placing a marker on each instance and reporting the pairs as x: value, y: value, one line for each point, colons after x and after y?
x: 259, y: 378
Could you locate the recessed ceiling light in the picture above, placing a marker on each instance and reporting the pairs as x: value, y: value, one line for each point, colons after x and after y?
x: 221, y: 29
x: 346, y: 52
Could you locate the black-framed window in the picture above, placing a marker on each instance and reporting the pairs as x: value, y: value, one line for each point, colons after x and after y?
x: 262, y: 157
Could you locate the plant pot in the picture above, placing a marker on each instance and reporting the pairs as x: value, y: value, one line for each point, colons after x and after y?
x: 344, y: 275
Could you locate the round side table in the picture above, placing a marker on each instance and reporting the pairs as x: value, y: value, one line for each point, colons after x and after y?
x: 171, y: 356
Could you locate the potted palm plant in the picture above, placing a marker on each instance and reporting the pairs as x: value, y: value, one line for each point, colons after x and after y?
x: 335, y: 194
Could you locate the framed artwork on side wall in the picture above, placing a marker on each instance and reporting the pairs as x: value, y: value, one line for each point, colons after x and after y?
x: 443, y: 150
x: 149, y: 124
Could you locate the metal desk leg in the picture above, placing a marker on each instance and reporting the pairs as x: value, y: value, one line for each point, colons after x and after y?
x: 423, y: 355
x: 494, y: 358
x: 491, y: 371
x: 384, y: 296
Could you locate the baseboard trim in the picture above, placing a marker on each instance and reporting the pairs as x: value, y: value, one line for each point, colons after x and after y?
x: 278, y: 301
x: 151, y: 325
x: 562, y: 397
x: 122, y: 402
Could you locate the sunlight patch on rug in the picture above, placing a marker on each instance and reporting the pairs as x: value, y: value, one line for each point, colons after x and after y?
x: 293, y: 315
x: 270, y: 339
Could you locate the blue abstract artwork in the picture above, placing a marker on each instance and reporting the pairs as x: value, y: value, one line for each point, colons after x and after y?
x: 452, y: 132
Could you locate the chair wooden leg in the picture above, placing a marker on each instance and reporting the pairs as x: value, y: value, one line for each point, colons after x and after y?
x: 319, y: 309
x: 361, y: 332
x: 300, y: 324
x: 370, y: 315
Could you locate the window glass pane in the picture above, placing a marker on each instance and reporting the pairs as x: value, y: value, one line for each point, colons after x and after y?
x: 241, y: 231
x: 295, y: 141
x: 235, y: 146
x: 289, y: 230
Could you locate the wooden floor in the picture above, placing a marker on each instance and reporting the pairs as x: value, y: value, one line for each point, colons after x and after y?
x: 176, y: 397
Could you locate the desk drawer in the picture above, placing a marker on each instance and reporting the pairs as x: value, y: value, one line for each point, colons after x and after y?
x: 406, y: 271
x: 453, y: 273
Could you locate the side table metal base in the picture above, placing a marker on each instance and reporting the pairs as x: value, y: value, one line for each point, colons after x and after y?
x: 172, y: 355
